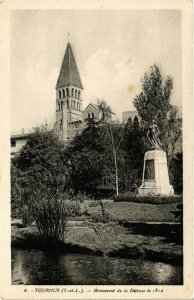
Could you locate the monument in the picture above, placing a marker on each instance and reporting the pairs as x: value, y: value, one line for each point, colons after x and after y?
x: 155, y: 180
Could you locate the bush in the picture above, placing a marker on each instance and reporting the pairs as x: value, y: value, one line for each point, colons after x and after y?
x: 51, y: 218
x: 130, y: 197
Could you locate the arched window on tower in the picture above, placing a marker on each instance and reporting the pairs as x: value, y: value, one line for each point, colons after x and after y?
x: 72, y: 103
x: 59, y: 94
x: 67, y: 103
x: 63, y: 93
x: 58, y: 105
x: 67, y: 92
x: 61, y: 105
x: 89, y: 116
x: 77, y: 105
x: 72, y: 92
x: 78, y: 95
x: 75, y: 93
x: 92, y: 115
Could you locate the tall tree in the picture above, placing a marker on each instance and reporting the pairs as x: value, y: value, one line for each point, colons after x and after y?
x: 154, y: 103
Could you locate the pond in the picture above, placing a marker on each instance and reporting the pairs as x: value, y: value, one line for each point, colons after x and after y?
x: 36, y: 267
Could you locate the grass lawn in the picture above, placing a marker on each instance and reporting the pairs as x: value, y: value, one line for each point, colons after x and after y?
x: 136, y: 212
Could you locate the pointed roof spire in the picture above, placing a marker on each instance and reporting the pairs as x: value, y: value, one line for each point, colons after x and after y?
x: 69, y: 74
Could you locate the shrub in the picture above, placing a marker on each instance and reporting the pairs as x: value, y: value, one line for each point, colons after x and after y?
x: 130, y: 197
x: 50, y: 215
x: 50, y: 211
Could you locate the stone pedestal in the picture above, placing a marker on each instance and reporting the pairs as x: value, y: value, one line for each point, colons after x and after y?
x: 155, y: 179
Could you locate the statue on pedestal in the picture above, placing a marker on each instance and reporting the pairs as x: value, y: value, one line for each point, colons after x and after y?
x: 155, y: 179
x: 153, y: 136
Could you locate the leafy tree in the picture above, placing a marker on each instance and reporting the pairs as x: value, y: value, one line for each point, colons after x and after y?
x: 83, y: 159
x: 90, y: 158
x: 153, y: 103
x: 41, y: 161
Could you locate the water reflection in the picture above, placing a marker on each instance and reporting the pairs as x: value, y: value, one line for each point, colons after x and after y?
x: 37, y: 267
x: 163, y: 272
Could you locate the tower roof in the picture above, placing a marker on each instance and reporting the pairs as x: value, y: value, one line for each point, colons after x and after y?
x: 69, y: 74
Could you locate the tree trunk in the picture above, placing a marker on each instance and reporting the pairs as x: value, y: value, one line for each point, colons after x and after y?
x: 116, y: 173
x: 115, y: 161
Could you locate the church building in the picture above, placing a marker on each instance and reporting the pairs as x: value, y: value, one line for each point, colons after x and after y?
x: 70, y: 117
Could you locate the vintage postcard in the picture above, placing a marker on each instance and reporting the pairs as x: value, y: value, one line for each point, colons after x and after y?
x: 96, y: 149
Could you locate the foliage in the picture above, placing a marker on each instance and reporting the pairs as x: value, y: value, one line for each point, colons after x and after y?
x: 81, y: 160
x: 50, y: 212
x: 153, y: 103
x: 91, y: 162
x: 134, y: 147
x: 130, y: 197
x: 154, y: 100
x: 50, y: 215
x: 15, y: 190
x: 176, y: 172
x: 41, y: 160
x: 40, y: 166
x: 42, y: 179
x: 26, y: 215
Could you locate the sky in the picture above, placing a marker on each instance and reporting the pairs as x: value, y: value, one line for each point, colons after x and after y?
x: 113, y: 49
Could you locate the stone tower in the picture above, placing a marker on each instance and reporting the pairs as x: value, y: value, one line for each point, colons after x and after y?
x: 68, y: 98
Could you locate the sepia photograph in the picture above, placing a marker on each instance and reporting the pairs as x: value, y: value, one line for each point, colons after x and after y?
x: 96, y: 149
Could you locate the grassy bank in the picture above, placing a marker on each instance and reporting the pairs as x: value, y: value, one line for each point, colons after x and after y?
x: 103, y: 239
x: 127, y: 232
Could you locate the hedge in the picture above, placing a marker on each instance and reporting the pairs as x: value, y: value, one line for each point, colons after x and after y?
x: 160, y: 199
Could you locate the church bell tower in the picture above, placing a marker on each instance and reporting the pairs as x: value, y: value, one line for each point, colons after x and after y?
x: 68, y: 98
